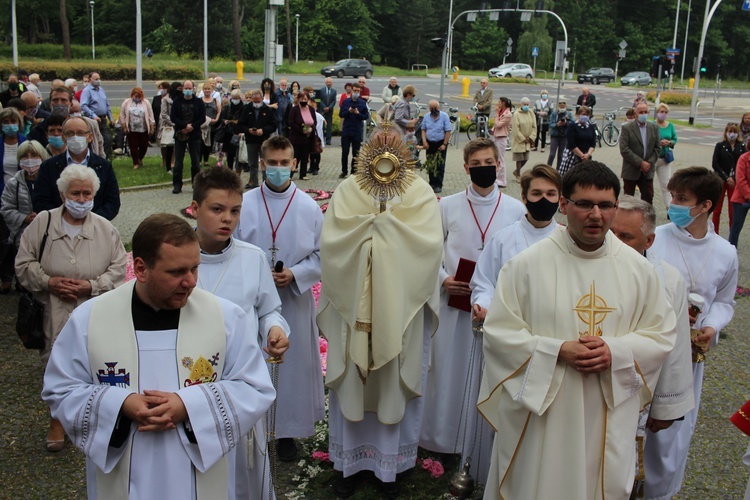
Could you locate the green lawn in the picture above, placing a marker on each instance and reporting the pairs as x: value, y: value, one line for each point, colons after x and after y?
x: 151, y: 173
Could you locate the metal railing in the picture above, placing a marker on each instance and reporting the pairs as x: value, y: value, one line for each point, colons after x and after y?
x: 418, y: 66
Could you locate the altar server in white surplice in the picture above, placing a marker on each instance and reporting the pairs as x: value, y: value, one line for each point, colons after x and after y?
x: 378, y: 309
x: 573, y: 341
x: 156, y: 381
x: 709, y: 266
x: 285, y: 223
x: 451, y: 423
x: 540, y: 192
x: 238, y: 271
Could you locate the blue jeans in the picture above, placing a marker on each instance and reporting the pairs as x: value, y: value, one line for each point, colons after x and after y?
x: 740, y: 211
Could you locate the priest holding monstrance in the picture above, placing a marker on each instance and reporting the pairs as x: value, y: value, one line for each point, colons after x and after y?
x: 381, y: 249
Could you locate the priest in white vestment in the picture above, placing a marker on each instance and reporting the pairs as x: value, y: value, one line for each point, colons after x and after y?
x: 451, y: 423
x: 709, y: 266
x: 574, y: 338
x: 238, y: 271
x: 285, y: 222
x: 540, y: 193
x: 156, y: 381
x: 378, y: 309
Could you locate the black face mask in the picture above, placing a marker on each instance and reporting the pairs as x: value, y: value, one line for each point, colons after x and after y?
x: 434, y: 111
x: 303, y: 103
x: 483, y: 176
x: 542, y: 209
x: 13, y: 86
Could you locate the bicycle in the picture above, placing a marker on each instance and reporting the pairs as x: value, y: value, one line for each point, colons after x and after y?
x: 478, y: 126
x: 610, y: 131
x: 455, y: 124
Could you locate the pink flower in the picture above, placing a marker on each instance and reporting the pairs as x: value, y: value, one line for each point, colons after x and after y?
x: 321, y: 455
x: 434, y: 467
x: 323, y: 345
x: 129, y: 272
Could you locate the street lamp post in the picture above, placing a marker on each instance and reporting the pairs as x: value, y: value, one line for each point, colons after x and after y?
x: 14, y: 30
x: 296, y: 41
x: 93, y: 46
x: 205, y: 38
x: 138, y: 46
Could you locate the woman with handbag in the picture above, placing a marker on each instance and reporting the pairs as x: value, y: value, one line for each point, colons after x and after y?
x: 68, y: 255
x: 166, y: 127
x: 667, y: 140
x: 724, y: 161
x: 137, y: 121
x: 302, y: 125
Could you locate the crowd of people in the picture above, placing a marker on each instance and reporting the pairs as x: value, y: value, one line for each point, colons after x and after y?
x: 474, y: 325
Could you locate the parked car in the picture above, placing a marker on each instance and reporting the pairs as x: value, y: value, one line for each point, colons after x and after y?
x: 515, y: 70
x: 349, y: 67
x: 597, y: 76
x: 636, y: 78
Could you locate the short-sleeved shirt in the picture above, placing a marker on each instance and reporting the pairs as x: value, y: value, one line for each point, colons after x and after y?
x: 435, y: 128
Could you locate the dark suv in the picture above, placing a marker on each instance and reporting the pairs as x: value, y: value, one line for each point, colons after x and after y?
x: 597, y: 76
x: 349, y: 67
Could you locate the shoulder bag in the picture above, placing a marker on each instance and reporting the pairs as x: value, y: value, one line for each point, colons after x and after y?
x: 30, y: 317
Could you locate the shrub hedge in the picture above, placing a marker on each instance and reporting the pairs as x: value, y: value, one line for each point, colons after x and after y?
x: 54, y: 51
x: 109, y: 71
x: 678, y: 98
x: 512, y: 80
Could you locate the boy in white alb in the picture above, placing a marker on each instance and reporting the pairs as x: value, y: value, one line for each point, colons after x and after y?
x: 451, y: 423
x: 285, y: 223
x: 237, y: 271
x: 709, y: 266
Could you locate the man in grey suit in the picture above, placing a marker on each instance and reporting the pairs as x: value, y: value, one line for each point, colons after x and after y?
x: 639, y: 147
x: 327, y: 102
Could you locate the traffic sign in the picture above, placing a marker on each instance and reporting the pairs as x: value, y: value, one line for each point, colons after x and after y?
x: 349, y: 47
x: 746, y: 5
x: 535, y: 50
x: 623, y: 44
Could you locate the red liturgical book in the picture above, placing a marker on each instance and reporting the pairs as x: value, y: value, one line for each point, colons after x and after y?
x: 464, y: 273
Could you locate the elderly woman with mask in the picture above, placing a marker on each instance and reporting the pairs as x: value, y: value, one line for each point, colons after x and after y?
x: 16, y: 209
x: 83, y: 257
x: 137, y: 120
x: 523, y: 135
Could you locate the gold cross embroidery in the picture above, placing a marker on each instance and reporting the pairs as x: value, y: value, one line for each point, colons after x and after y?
x: 592, y: 309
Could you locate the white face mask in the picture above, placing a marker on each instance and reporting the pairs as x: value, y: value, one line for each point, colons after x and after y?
x: 257, y: 104
x: 235, y: 101
x: 77, y: 145
x: 30, y: 165
x: 78, y: 210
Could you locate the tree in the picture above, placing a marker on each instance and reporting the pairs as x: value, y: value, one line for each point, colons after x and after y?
x: 536, y: 35
x: 65, y: 30
x: 237, y: 16
x: 483, y: 45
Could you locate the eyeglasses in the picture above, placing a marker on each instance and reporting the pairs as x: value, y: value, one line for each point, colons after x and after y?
x: 68, y: 135
x: 587, y: 206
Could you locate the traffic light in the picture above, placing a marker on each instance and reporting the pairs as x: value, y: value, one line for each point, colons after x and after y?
x: 617, y: 57
x: 438, y: 42
x: 704, y: 66
x: 506, y: 8
x: 718, y: 69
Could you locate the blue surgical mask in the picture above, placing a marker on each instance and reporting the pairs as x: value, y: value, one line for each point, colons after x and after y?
x: 355, y: 95
x: 10, y: 129
x: 583, y: 119
x: 56, y: 141
x: 680, y: 215
x: 643, y: 118
x: 187, y: 92
x: 524, y: 108
x: 278, y: 175
x: 544, y: 96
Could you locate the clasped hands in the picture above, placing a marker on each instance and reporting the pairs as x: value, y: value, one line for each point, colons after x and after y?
x: 278, y: 343
x: 155, y: 411
x: 588, y: 354
x: 69, y: 289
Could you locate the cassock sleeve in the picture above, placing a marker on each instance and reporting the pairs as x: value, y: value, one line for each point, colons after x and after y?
x: 722, y: 308
x: 307, y: 271
x: 525, y: 365
x: 88, y: 412
x: 673, y: 396
x: 484, y: 280
x: 220, y: 413
x: 268, y: 303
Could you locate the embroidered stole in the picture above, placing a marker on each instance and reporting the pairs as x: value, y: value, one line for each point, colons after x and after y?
x: 111, y: 336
